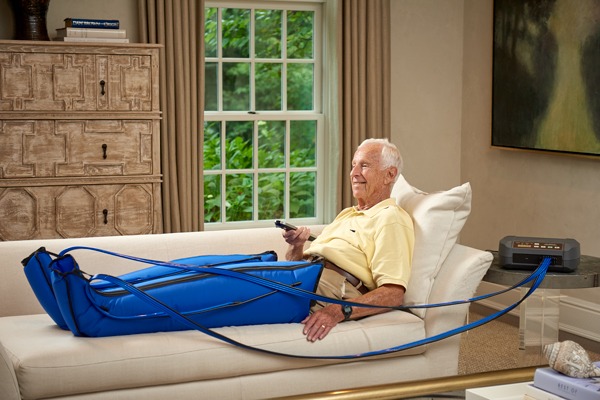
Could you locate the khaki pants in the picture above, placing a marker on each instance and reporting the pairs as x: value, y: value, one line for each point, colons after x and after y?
x: 336, y: 286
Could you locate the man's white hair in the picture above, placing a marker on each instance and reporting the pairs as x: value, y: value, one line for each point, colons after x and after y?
x: 390, y: 155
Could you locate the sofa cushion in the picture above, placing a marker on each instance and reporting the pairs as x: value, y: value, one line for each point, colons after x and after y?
x: 52, y: 362
x: 438, y: 219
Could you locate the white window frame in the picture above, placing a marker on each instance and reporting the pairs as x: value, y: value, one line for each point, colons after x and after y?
x: 316, y: 114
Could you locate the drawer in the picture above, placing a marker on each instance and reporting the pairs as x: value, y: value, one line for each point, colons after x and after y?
x: 75, y: 148
x: 79, y: 211
x: 77, y: 82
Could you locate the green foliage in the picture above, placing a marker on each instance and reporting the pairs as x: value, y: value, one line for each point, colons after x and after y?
x: 239, y: 197
x: 212, y: 145
x: 235, y: 43
x: 269, y: 151
x: 300, y: 34
x: 300, y: 87
x: 238, y: 147
x: 236, y: 84
x: 268, y: 33
x: 303, y: 143
x: 271, y: 144
x: 236, y: 33
x: 271, y: 186
x: 302, y: 194
x: 210, y: 32
x: 211, y: 90
x: 212, y: 198
x: 268, y: 86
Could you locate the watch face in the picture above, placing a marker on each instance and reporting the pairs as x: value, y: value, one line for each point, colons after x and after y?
x: 347, y: 310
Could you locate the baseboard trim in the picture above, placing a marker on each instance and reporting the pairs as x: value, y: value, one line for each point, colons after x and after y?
x: 578, y: 317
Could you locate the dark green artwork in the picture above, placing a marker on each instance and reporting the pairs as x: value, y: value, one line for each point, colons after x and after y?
x: 546, y: 77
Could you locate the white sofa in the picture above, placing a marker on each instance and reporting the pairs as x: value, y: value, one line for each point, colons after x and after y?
x: 38, y: 360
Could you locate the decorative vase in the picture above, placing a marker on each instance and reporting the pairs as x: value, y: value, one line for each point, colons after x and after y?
x: 30, y: 19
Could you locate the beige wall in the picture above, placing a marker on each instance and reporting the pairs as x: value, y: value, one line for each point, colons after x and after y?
x: 124, y: 10
x: 427, y: 63
x: 441, y: 102
x: 524, y: 193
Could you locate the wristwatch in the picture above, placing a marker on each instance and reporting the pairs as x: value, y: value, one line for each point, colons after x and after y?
x: 347, y: 311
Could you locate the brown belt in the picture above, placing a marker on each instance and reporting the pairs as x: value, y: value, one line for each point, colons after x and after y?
x: 354, y: 281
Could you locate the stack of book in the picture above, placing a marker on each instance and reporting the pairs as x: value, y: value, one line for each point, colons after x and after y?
x: 549, y: 384
x: 92, y: 30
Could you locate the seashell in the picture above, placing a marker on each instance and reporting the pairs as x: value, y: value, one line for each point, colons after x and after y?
x: 570, y: 359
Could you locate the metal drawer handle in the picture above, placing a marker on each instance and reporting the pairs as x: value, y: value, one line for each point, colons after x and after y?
x: 102, y: 83
x: 104, y: 147
x: 105, y: 212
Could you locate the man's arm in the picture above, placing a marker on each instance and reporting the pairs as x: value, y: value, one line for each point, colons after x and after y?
x: 318, y: 324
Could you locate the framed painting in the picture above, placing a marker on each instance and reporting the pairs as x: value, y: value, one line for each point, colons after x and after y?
x: 546, y: 75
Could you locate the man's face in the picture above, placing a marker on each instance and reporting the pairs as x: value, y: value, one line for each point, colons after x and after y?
x: 369, y: 179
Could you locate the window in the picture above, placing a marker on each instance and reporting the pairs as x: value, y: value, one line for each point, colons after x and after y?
x: 263, y: 129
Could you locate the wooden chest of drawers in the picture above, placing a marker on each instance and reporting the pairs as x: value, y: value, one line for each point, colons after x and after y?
x: 79, y: 140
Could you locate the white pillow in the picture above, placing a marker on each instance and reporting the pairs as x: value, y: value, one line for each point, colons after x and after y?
x: 438, y: 219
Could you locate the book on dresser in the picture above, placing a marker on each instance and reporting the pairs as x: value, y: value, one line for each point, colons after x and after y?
x: 94, y: 32
x: 92, y: 39
x: 91, y: 32
x: 92, y: 23
x: 565, y: 386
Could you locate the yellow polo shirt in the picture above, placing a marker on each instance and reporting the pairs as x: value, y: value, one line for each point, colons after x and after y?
x: 375, y: 245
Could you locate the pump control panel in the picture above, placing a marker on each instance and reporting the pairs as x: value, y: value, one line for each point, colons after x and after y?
x: 526, y: 253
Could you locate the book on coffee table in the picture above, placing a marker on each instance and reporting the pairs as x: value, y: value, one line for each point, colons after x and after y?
x: 565, y: 386
x: 511, y: 391
x: 535, y: 393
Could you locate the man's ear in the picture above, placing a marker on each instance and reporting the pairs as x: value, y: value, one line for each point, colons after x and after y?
x: 391, y: 174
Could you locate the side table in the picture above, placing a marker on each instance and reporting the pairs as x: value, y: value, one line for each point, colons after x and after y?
x: 539, y: 313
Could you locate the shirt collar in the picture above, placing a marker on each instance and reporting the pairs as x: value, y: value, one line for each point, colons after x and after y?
x: 377, y: 207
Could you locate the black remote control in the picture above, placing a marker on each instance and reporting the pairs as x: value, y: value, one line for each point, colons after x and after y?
x: 288, y: 227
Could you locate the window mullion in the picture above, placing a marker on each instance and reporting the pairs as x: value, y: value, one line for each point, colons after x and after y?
x: 252, y: 60
x: 284, y: 62
x: 287, y: 170
x: 223, y: 172
x: 220, y: 60
x: 255, y: 171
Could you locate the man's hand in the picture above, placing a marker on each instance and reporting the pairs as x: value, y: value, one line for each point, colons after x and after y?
x: 296, y: 240
x: 318, y: 324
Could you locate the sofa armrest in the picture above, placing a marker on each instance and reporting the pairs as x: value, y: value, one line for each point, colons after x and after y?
x: 9, y: 386
x: 458, y: 279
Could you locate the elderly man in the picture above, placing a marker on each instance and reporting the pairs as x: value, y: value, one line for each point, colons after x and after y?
x: 367, y: 248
